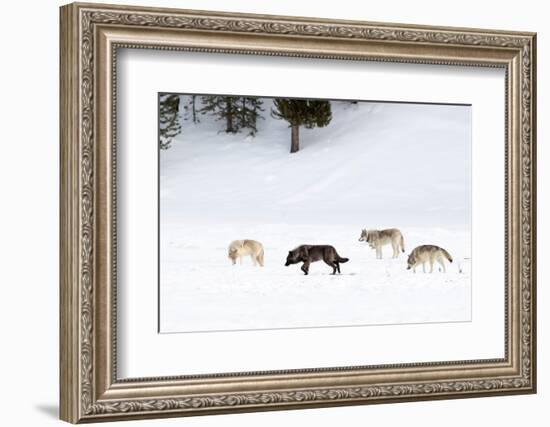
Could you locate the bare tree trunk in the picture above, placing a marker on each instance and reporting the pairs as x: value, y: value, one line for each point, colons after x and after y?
x: 229, y: 113
x: 295, y: 138
x: 194, y: 109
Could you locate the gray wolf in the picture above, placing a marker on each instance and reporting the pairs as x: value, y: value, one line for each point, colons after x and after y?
x: 240, y: 248
x: 378, y: 238
x: 430, y: 254
x: 311, y: 253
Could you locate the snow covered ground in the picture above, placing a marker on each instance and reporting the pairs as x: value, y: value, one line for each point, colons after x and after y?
x: 375, y: 166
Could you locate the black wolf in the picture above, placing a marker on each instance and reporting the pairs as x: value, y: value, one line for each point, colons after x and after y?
x: 311, y: 253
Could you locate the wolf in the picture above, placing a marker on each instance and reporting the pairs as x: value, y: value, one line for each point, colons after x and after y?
x: 240, y: 248
x: 428, y: 253
x: 378, y: 238
x: 311, y: 253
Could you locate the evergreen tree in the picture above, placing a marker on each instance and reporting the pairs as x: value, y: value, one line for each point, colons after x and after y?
x: 190, y: 105
x: 301, y: 112
x: 249, y: 113
x: 224, y: 108
x: 169, y: 119
x: 238, y: 112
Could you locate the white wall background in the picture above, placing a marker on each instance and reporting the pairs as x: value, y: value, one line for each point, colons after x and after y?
x: 29, y: 170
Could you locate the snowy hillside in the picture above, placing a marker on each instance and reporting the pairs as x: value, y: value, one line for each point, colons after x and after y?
x: 375, y: 166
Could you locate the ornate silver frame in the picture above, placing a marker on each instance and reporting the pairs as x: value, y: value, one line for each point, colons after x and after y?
x: 90, y: 35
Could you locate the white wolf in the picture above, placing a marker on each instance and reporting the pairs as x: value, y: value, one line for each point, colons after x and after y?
x: 428, y: 253
x: 240, y: 248
x: 378, y: 238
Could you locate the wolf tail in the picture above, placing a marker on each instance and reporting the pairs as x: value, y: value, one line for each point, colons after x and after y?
x: 447, y: 255
x: 340, y: 259
x: 402, y: 243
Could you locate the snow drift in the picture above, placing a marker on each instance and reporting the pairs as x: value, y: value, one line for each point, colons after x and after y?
x: 376, y: 165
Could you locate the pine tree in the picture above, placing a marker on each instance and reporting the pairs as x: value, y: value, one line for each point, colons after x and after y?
x: 238, y: 112
x: 191, y: 108
x: 224, y: 108
x: 249, y: 113
x: 301, y: 112
x: 169, y: 119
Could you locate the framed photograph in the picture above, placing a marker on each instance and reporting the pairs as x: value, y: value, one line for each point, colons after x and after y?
x: 266, y: 212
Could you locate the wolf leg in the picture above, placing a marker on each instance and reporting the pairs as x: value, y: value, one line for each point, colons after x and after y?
x: 332, y: 264
x: 253, y: 259
x: 305, y: 267
x: 431, y: 266
x: 423, y: 267
x: 440, y: 260
x: 261, y: 258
